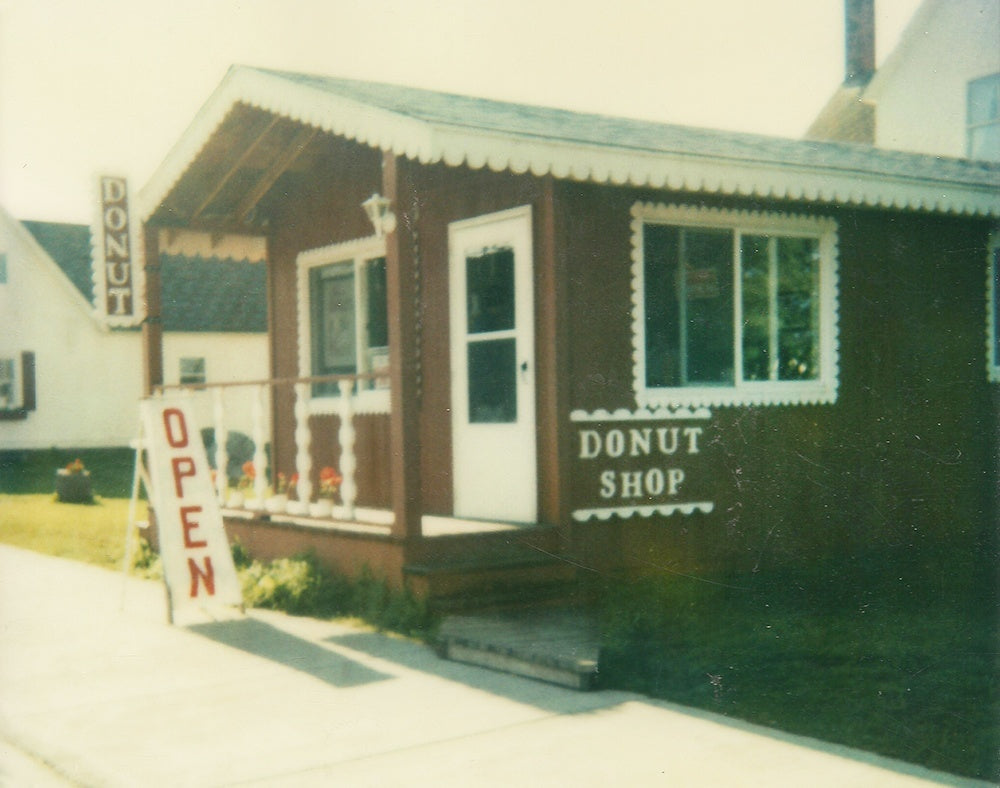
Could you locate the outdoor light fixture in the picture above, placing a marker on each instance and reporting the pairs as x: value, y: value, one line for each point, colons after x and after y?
x: 380, y: 214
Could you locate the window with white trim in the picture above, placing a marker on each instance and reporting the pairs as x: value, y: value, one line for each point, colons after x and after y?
x: 192, y: 371
x: 733, y: 308
x: 993, y: 309
x: 9, y: 388
x: 343, y: 319
x: 983, y: 118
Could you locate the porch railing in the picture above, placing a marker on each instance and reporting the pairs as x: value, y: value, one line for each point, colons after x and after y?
x: 260, y: 433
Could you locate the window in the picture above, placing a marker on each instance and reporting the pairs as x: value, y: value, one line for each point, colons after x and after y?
x: 17, y: 386
x: 346, y: 325
x: 192, y: 371
x: 3, y: 268
x: 993, y: 309
x: 983, y: 118
x: 733, y: 308
x: 8, y: 384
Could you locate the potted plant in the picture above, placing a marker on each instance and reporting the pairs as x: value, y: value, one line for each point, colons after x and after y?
x: 278, y: 503
x: 329, y: 483
x: 73, y: 484
x: 243, y: 496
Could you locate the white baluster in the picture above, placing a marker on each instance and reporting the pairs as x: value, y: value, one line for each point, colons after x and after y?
x: 221, y: 436
x: 303, y: 443
x: 348, y: 462
x: 259, y: 456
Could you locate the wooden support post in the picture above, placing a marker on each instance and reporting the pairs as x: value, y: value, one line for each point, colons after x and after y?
x: 152, y: 326
x: 401, y: 277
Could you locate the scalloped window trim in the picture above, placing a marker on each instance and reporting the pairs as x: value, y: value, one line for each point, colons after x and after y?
x: 992, y: 308
x: 812, y: 392
x: 357, y: 251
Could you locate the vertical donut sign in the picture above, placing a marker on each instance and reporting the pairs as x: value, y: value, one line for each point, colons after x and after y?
x: 117, y: 271
x: 197, y: 562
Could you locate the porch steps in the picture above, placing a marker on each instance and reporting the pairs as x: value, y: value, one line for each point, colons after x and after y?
x: 476, y: 572
x: 555, y: 645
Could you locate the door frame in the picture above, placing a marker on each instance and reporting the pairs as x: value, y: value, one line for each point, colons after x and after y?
x: 502, y: 487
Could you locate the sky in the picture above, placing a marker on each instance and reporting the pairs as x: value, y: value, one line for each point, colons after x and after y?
x: 90, y: 87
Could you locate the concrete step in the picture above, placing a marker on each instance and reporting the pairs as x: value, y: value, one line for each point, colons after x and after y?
x: 556, y: 645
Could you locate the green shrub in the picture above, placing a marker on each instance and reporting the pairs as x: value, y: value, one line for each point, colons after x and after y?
x: 302, y: 586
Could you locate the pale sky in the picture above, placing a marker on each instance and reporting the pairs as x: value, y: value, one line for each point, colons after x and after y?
x: 107, y: 86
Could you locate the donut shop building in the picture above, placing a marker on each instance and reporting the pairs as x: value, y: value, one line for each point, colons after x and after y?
x: 534, y: 343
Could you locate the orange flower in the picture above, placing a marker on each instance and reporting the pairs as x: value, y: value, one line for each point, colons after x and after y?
x: 329, y: 481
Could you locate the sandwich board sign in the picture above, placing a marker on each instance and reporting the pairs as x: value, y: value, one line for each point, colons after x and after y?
x: 197, y: 562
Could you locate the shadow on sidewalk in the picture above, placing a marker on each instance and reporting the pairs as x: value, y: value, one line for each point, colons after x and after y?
x: 549, y: 697
x: 262, y: 640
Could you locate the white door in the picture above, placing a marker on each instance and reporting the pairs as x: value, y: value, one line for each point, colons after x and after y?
x: 493, y: 367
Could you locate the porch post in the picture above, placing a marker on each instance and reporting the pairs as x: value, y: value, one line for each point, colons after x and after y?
x: 401, y: 278
x: 152, y: 325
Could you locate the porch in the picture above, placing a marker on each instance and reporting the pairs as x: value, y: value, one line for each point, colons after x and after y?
x: 335, y: 499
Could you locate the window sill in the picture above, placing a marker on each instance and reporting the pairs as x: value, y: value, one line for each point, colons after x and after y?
x: 791, y: 393
x: 13, y: 414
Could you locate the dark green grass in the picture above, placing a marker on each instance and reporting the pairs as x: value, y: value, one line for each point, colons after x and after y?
x: 882, y: 655
x: 33, y: 472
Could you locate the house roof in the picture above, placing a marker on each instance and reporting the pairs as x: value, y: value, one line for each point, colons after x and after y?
x: 241, y: 121
x: 199, y: 294
x: 69, y: 247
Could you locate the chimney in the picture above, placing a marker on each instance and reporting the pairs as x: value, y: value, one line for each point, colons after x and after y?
x: 859, y: 42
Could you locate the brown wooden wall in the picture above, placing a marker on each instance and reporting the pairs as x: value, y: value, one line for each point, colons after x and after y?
x: 906, y: 456
x: 903, y: 457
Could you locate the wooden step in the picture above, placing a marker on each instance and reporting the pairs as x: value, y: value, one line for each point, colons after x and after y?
x: 555, y: 645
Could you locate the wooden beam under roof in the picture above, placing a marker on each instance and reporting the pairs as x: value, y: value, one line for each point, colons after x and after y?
x: 234, y: 168
x: 278, y: 166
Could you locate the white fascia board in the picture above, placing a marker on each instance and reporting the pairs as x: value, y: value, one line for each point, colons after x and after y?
x: 456, y: 145
x: 342, y: 117
x: 680, y: 171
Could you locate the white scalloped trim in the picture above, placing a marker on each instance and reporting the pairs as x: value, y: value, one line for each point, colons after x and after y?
x: 455, y: 145
x: 624, y: 512
x: 642, y: 414
x: 822, y: 391
x: 992, y: 301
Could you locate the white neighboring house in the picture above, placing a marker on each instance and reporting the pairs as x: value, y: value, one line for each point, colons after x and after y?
x: 937, y: 92
x: 69, y: 381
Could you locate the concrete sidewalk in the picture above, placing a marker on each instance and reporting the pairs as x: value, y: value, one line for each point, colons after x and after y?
x: 97, y: 690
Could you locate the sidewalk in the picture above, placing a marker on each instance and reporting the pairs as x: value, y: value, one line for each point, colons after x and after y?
x: 95, y: 685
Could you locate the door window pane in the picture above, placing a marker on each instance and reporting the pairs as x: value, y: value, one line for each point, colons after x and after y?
x: 490, y: 291
x: 493, y: 381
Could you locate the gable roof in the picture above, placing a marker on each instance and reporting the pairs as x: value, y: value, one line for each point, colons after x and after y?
x: 69, y: 247
x: 199, y: 294
x: 432, y: 127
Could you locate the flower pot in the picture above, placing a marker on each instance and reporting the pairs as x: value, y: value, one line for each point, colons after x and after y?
x: 73, y: 487
x: 297, y: 507
x: 254, y: 504
x: 276, y: 504
x: 321, y: 508
x: 235, y: 500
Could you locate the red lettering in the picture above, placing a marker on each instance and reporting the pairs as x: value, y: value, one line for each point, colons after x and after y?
x: 191, y: 525
x: 183, y: 467
x: 208, y: 576
x: 171, y: 417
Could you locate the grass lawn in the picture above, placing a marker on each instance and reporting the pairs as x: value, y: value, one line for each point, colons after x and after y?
x: 26, y: 472
x: 903, y: 663
x: 93, y: 533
